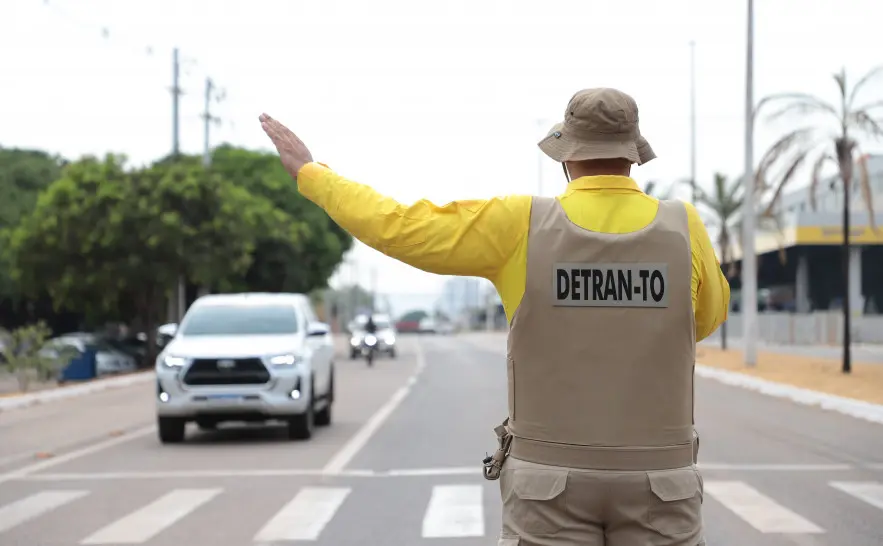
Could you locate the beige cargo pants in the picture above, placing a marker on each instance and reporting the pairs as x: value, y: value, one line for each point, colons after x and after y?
x: 555, y: 506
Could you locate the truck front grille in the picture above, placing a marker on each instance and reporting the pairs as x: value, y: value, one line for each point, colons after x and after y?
x: 227, y: 371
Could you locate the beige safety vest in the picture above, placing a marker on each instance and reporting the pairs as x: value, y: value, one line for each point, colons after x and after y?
x: 602, y: 349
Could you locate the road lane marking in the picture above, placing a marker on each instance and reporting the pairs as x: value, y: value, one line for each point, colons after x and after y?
x: 358, y: 441
x: 454, y: 511
x: 869, y: 492
x: 362, y: 473
x: 758, y: 510
x: 304, y: 517
x: 144, y: 523
x: 34, y: 506
x: 774, y: 467
x: 76, y: 454
x: 454, y: 471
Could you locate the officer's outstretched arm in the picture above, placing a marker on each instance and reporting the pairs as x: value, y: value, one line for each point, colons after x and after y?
x: 470, y: 238
x: 712, y: 296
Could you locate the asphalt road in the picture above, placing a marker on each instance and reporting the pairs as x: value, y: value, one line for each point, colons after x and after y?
x: 400, y: 465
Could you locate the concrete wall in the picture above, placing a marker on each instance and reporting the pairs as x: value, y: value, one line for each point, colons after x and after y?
x: 821, y: 328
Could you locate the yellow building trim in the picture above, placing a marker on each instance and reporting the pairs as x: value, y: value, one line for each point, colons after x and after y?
x: 833, y: 235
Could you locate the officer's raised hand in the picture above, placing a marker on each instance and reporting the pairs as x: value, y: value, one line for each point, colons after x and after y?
x: 292, y: 151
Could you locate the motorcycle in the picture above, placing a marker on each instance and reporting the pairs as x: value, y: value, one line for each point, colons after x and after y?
x: 369, y: 348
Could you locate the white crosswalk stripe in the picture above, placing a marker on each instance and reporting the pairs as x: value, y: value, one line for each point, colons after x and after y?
x: 454, y: 511
x: 869, y: 492
x: 34, y: 506
x: 141, y: 525
x: 758, y: 510
x: 451, y: 511
x: 304, y: 517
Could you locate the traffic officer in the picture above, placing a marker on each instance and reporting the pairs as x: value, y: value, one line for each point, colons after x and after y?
x: 607, y: 291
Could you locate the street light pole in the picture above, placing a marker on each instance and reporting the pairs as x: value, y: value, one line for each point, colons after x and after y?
x: 749, y: 259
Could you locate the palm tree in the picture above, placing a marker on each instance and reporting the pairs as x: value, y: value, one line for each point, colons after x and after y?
x: 722, y: 207
x: 818, y: 144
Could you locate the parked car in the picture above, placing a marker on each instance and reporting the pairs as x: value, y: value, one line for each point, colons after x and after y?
x: 386, y: 335
x: 246, y: 357
x: 109, y: 360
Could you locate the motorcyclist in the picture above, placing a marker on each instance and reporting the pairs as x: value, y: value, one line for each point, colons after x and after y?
x: 370, y: 327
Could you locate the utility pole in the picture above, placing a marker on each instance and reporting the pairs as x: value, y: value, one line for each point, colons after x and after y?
x: 693, y: 119
x: 206, y: 125
x: 208, y: 119
x: 176, y: 93
x: 176, y: 300
x: 212, y: 93
x: 749, y: 260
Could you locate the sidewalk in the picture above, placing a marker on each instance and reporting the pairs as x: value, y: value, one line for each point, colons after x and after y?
x: 817, y: 369
x: 861, y: 352
x: 9, y: 385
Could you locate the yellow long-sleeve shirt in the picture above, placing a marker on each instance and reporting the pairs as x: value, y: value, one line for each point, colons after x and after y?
x: 488, y: 238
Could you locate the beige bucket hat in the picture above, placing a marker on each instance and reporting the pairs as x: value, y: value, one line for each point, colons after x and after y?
x: 600, y: 123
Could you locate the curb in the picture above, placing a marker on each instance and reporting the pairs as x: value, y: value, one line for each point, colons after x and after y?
x: 847, y: 406
x: 72, y: 391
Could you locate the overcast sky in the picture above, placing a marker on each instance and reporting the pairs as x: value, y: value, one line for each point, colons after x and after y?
x: 441, y: 100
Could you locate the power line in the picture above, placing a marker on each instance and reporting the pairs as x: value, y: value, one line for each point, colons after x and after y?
x: 104, y: 31
x: 188, y: 66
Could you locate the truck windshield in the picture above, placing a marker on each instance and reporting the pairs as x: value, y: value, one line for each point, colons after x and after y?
x: 231, y: 320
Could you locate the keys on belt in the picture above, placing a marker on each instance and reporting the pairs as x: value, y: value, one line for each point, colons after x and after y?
x: 493, y: 464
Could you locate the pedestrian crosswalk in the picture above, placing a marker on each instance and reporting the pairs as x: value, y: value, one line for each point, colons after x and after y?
x: 447, y: 511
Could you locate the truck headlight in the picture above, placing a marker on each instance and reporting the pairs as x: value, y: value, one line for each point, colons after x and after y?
x: 284, y: 360
x: 170, y: 361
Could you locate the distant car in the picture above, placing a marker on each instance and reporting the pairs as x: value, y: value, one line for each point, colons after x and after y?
x: 386, y: 335
x: 428, y: 326
x: 246, y: 357
x: 109, y: 360
x: 446, y: 328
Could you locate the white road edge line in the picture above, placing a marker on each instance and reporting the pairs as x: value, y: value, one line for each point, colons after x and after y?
x: 26, y: 471
x: 360, y: 438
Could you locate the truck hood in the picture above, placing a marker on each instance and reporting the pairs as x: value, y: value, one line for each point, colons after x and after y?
x: 233, y: 346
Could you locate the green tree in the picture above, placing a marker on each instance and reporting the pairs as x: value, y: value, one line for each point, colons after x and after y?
x: 297, y: 264
x: 23, y: 175
x: 831, y: 139
x: 111, y: 241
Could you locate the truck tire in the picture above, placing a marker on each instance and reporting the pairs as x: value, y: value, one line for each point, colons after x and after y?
x: 323, y: 416
x: 170, y: 429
